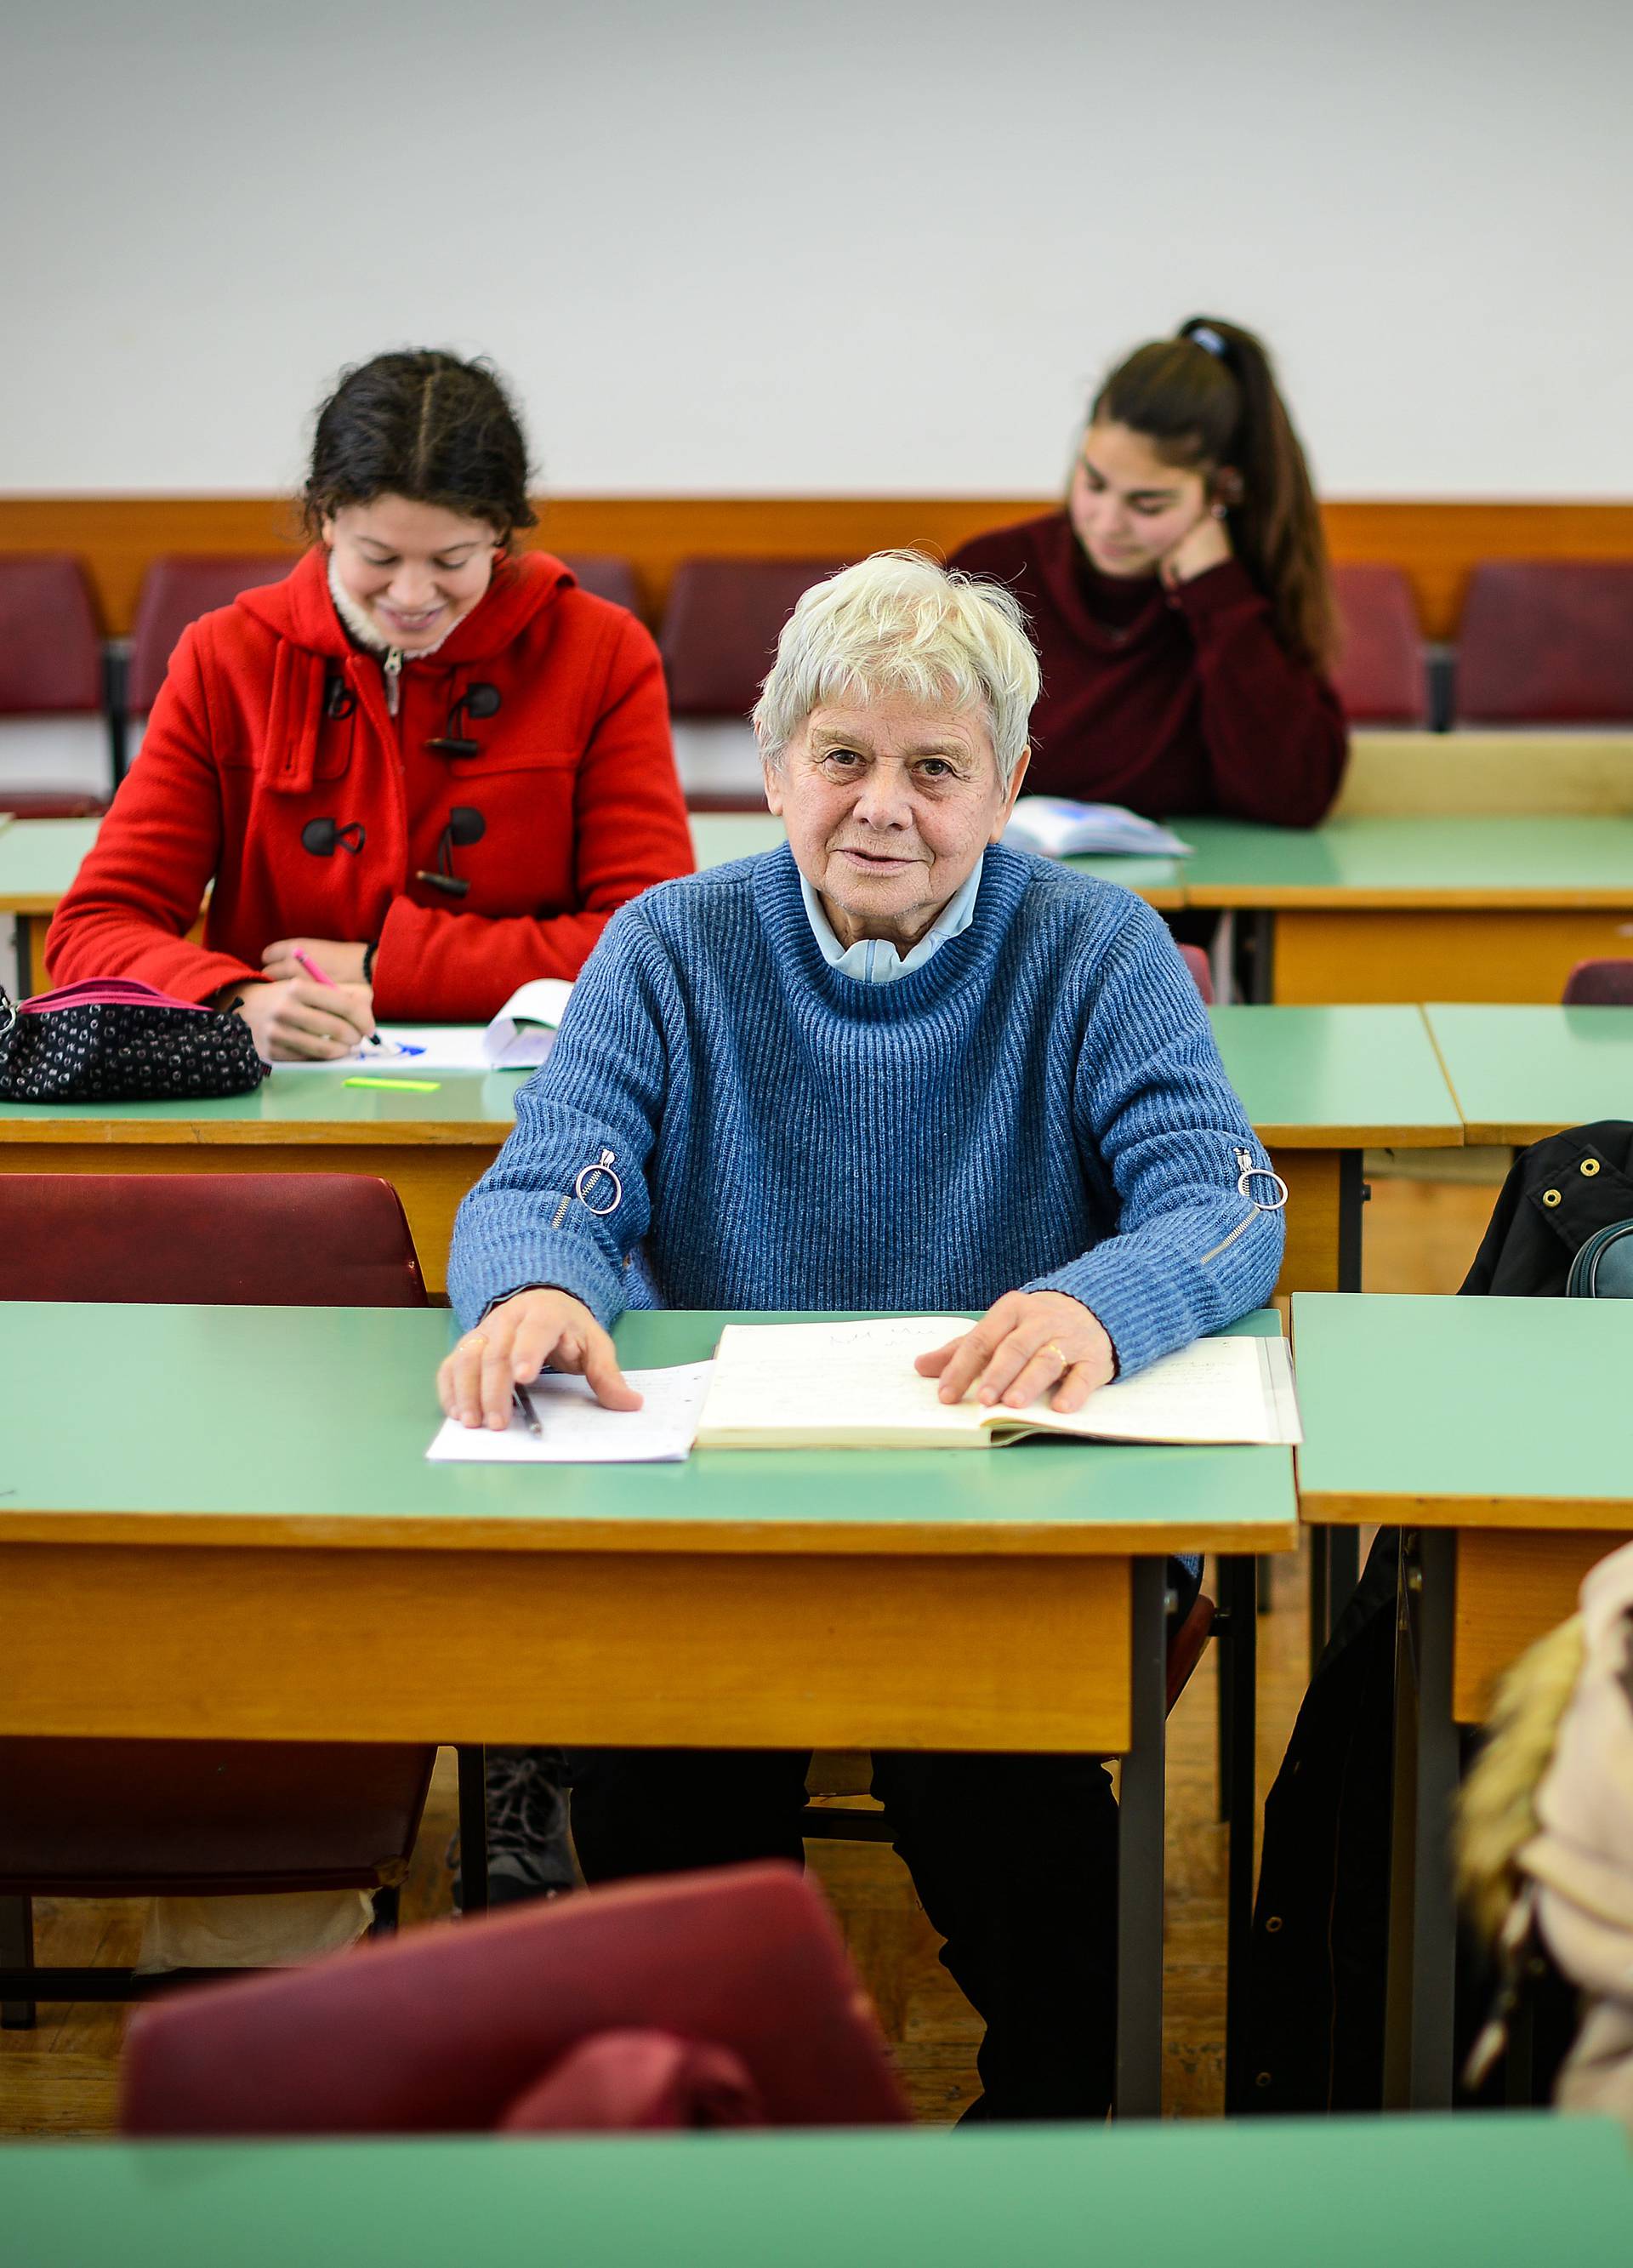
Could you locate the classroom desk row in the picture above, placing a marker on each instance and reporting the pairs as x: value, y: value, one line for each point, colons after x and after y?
x: 1422, y: 2192
x: 1475, y: 906
x: 1320, y: 1085
x: 161, y: 1582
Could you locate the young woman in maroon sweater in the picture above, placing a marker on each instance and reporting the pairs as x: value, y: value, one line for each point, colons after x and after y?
x: 1180, y: 604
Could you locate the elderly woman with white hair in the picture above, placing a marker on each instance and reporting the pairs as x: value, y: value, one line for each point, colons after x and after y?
x: 890, y: 1065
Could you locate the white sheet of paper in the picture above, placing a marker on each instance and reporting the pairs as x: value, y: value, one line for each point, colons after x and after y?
x: 576, y: 1431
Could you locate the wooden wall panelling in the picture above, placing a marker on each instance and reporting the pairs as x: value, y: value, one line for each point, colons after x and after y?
x: 1435, y: 543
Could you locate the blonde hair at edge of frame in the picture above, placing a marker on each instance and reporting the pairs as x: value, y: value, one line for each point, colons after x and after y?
x: 896, y: 625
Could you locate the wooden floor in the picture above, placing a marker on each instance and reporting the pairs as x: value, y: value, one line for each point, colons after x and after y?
x: 61, y: 2077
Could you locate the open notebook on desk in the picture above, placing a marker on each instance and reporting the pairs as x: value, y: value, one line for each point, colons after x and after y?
x: 519, y: 1038
x: 853, y: 1386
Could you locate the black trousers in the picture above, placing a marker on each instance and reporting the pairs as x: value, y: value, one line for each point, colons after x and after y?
x: 1014, y: 1856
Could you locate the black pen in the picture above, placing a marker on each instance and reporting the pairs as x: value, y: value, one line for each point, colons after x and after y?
x: 530, y: 1416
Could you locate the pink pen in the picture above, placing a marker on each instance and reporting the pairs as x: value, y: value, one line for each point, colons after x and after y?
x: 318, y: 978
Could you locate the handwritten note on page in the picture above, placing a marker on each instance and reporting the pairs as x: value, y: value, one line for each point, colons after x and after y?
x: 575, y: 1430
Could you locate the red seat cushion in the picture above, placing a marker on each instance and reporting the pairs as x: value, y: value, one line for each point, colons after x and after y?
x: 443, y: 2030
x: 1547, y: 642
x: 1599, y: 984
x: 721, y: 627
x: 50, y: 647
x: 176, y: 591
x: 605, y: 575
x: 626, y: 2083
x: 1379, y: 671
x: 219, y: 1239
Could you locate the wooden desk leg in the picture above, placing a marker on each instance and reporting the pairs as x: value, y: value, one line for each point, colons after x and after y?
x: 1238, y: 1677
x: 1423, y: 1910
x: 1335, y: 1552
x: 1140, y: 1854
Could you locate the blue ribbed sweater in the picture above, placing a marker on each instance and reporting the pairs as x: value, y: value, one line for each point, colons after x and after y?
x: 1040, y: 1106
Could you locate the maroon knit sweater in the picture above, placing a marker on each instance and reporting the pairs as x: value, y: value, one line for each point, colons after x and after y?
x: 1167, y: 701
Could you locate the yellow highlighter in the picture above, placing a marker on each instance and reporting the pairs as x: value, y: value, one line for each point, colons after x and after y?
x: 406, y: 1085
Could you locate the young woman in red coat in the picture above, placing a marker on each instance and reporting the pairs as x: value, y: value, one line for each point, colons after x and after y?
x: 433, y: 768
x: 1181, y: 604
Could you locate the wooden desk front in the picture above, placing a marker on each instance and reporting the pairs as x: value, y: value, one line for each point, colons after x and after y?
x: 236, y: 1532
x: 1422, y: 2192
x: 1494, y: 1431
x: 1464, y: 908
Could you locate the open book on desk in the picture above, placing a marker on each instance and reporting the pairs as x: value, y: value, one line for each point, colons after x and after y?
x: 852, y: 1386
x: 519, y: 1038
x: 1058, y: 826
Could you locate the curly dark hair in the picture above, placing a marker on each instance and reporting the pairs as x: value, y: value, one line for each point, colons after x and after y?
x: 424, y: 425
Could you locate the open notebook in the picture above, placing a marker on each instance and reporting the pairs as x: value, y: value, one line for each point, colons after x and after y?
x: 519, y: 1038
x: 852, y: 1386
x: 1057, y: 827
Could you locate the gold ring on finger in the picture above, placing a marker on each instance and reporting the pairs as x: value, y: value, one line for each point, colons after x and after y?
x: 1049, y: 1347
x: 474, y: 1339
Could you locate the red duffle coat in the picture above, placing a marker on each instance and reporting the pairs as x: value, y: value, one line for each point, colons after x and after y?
x: 272, y: 719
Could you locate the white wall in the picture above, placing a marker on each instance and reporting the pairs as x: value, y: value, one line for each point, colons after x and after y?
x: 734, y: 246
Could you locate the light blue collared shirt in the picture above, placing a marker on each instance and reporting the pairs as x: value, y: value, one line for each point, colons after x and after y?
x: 874, y: 960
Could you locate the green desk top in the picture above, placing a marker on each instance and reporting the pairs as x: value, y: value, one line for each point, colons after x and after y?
x: 234, y: 1421
x: 1519, y: 1073
x: 1459, y: 1413
x: 1471, y: 859
x: 1506, y: 2191
x: 295, y: 1105
x: 38, y: 858
x: 1349, y: 1078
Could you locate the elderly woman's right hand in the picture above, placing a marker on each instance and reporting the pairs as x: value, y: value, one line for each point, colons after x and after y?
x: 513, y: 1343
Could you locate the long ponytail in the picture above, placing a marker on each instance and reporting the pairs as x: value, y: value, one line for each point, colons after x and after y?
x: 1207, y: 399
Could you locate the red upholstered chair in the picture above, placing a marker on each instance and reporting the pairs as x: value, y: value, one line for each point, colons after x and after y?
x: 1599, y: 984
x: 176, y: 590
x: 126, y: 1818
x: 1380, y: 673
x: 51, y: 803
x: 719, y: 635
x: 739, y: 1972
x: 1547, y: 642
x: 1197, y: 960
x: 605, y: 575
x: 54, y: 732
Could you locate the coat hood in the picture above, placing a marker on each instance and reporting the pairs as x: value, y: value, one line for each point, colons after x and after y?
x: 311, y: 642
x: 300, y: 610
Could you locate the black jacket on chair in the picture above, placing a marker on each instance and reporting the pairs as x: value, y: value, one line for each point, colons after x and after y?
x: 1320, y: 1920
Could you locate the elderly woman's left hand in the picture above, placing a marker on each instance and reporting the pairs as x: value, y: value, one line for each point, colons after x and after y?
x: 1026, y: 1343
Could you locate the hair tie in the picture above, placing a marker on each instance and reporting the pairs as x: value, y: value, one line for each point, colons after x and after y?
x: 1209, y: 340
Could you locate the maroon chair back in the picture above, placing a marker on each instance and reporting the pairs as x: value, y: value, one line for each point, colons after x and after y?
x: 1197, y: 960
x: 176, y: 591
x: 50, y: 647
x: 604, y: 574
x: 51, y: 803
x: 445, y: 2031
x: 214, y: 1240
x: 1379, y: 672
x: 721, y: 626
x: 1547, y: 642
x: 113, y: 1819
x: 1599, y: 984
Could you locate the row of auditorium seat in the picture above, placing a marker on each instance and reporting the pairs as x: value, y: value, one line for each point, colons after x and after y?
x: 1539, y: 641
